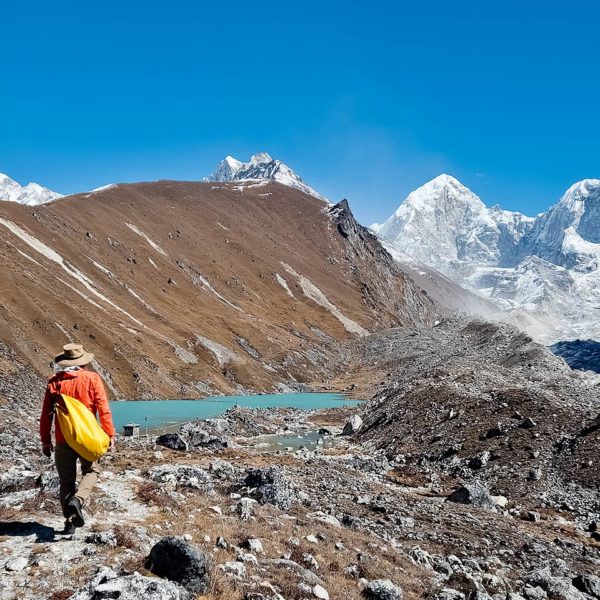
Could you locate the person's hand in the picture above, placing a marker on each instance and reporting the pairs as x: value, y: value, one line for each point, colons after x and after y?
x: 111, y: 447
x: 47, y: 449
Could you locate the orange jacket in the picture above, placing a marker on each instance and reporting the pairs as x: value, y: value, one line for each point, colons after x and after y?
x: 83, y: 385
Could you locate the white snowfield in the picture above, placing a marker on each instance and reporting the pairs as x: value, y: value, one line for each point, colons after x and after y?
x: 260, y: 168
x: 545, y: 270
x: 311, y: 291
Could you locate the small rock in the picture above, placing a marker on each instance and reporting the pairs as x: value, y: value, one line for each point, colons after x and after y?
x: 501, y: 501
x: 255, y: 545
x: 16, y: 564
x: 104, y: 538
x: 234, y: 568
x: 324, y: 518
x: 246, y: 508
x: 527, y: 423
x: 130, y: 587
x: 222, y: 468
x: 311, y: 539
x: 173, y: 441
x: 271, y: 487
x: 480, y: 461
x: 320, y: 592
x: 353, y: 425
x: 450, y: 594
x: 535, y: 474
x: 221, y: 543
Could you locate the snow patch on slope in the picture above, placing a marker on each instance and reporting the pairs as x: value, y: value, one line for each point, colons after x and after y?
x: 284, y: 284
x: 311, y: 291
x: 71, y: 270
x: 150, y: 241
x: 223, y: 354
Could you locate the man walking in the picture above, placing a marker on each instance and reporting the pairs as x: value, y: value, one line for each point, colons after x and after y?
x: 73, y: 378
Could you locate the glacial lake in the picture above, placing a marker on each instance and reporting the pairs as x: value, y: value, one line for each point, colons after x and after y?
x: 158, y: 414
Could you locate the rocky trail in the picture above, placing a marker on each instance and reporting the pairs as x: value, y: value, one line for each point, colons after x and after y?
x: 332, y: 522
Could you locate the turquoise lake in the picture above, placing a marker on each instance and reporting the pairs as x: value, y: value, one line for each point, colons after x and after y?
x: 156, y: 414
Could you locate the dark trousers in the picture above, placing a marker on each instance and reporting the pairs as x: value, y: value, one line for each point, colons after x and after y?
x: 65, y: 459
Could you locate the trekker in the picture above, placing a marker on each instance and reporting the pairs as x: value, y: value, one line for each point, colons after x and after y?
x: 73, y: 378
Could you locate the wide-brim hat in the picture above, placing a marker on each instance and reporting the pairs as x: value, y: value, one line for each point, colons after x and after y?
x: 73, y: 355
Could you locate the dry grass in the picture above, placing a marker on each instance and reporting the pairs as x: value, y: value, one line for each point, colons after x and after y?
x: 153, y: 495
x: 63, y: 594
x: 125, y: 539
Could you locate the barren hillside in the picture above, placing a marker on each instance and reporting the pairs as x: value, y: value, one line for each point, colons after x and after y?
x: 184, y: 289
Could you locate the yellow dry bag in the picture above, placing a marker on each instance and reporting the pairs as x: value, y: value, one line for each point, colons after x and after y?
x: 80, y: 429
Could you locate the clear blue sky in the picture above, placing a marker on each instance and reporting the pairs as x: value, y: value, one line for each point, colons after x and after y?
x: 365, y: 100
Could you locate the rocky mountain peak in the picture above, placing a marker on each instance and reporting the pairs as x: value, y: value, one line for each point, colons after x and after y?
x: 262, y: 167
x: 31, y: 194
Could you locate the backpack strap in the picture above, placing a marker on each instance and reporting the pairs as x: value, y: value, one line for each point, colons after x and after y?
x: 55, y: 394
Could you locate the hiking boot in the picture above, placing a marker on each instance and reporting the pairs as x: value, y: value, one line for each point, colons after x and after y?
x: 75, y: 511
x: 69, y: 528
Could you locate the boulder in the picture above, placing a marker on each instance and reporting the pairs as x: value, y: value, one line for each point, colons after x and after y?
x: 173, y: 441
x: 474, y: 494
x: 176, y: 560
x: 382, y: 589
x: 130, y: 587
x: 181, y: 476
x: 270, y: 487
x: 589, y: 584
x: 353, y: 425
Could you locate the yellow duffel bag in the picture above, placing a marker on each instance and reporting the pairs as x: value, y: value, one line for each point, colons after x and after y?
x: 80, y: 429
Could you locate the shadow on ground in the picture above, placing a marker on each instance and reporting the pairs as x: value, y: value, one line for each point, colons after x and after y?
x: 43, y: 533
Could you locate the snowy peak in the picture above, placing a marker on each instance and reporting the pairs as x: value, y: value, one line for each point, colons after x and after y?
x: 444, y: 224
x: 261, y: 166
x: 31, y: 194
x: 546, y: 269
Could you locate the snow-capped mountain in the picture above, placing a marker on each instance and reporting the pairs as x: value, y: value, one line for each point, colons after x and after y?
x: 260, y: 167
x: 31, y: 194
x: 545, y: 269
